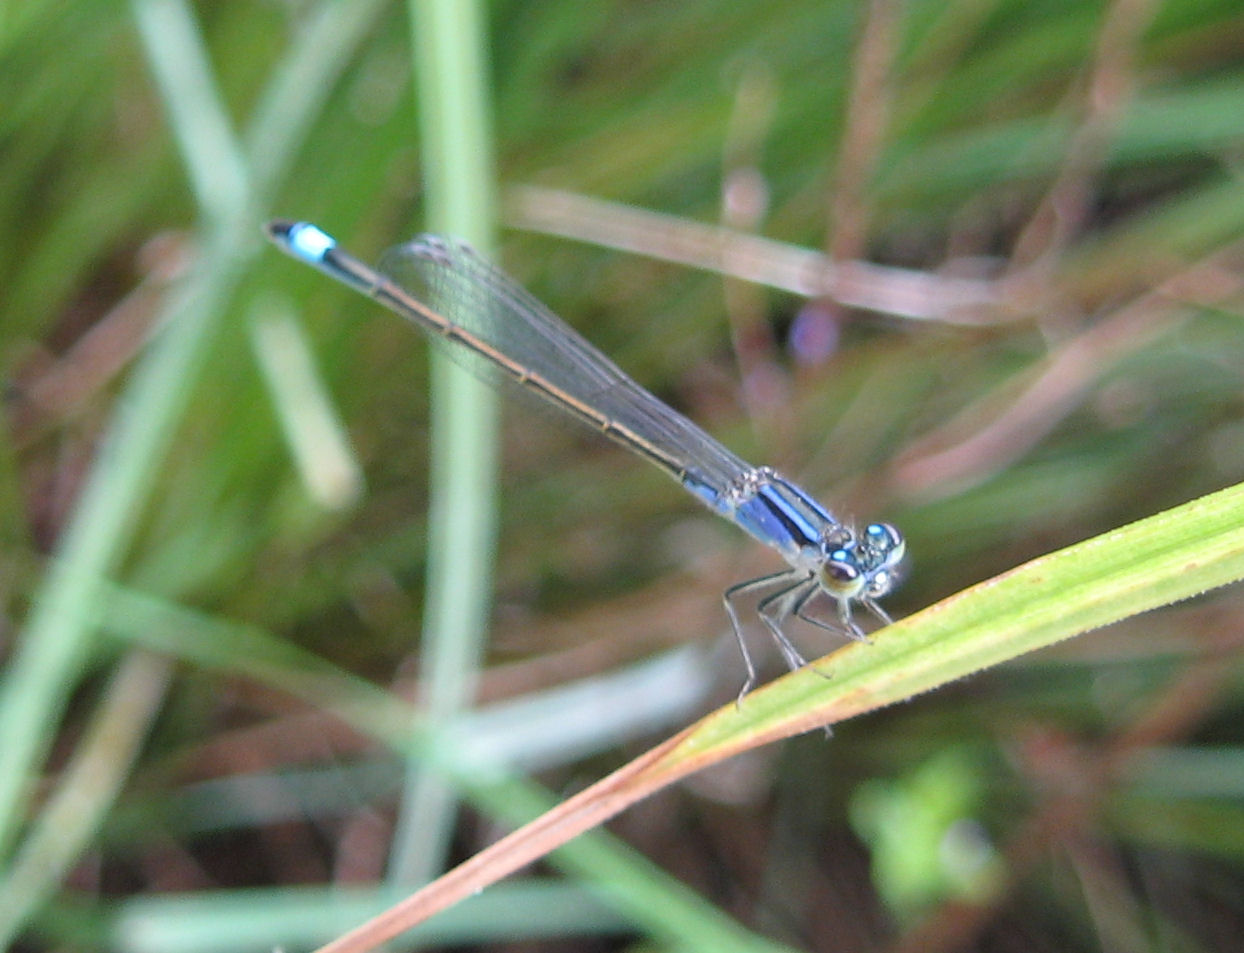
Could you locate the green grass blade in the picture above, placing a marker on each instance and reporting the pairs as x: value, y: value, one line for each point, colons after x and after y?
x: 454, y: 113
x: 1171, y: 556
x: 57, y: 634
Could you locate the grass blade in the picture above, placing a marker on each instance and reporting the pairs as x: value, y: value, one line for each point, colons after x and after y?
x: 1171, y: 556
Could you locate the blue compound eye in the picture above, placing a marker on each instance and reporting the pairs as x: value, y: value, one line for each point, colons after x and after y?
x: 884, y: 538
x: 881, y: 547
x: 841, y: 576
x: 882, y: 535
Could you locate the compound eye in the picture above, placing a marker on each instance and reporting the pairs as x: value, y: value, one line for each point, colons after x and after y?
x: 884, y: 543
x: 840, y: 576
x: 883, y: 536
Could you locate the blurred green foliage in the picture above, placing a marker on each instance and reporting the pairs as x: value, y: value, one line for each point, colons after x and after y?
x: 1082, y: 157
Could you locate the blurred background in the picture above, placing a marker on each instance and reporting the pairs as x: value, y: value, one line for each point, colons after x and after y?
x: 972, y: 267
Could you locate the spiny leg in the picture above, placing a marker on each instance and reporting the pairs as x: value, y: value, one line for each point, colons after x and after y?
x: 784, y: 600
x: 801, y: 603
x: 799, y: 595
x: 812, y: 620
x: 737, y: 589
x: 846, y: 624
x: 750, y: 680
x: 875, y: 609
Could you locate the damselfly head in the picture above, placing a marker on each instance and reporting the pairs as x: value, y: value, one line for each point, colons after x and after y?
x: 862, y: 565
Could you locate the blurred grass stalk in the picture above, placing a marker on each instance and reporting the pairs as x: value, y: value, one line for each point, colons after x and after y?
x: 57, y: 637
x: 452, y: 82
x: 230, y: 184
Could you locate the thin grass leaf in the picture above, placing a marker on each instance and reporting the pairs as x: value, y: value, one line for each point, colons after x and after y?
x: 1168, y: 557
